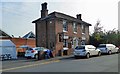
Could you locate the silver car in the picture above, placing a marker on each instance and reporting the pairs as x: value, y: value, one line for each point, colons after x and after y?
x: 86, y: 50
x: 33, y: 52
x: 108, y: 48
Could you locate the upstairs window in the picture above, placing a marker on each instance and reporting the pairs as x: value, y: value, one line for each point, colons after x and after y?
x: 65, y: 26
x: 74, y: 27
x: 83, y: 28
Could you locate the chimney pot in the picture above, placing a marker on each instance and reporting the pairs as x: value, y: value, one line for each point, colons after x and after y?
x: 79, y: 16
x: 44, y: 6
x: 44, y: 11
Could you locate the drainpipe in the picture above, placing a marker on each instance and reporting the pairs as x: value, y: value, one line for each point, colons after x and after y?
x: 46, y: 35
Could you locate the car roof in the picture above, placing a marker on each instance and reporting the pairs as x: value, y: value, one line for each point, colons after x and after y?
x: 87, y: 45
x: 107, y: 44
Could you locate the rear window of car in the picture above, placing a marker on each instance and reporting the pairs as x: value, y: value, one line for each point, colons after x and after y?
x: 102, y: 46
x: 36, y: 49
x: 29, y: 49
x: 80, y: 47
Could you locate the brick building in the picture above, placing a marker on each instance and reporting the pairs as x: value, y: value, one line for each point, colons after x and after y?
x: 28, y: 39
x: 60, y: 32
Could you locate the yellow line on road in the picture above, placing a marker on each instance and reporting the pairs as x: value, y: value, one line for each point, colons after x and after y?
x: 28, y: 65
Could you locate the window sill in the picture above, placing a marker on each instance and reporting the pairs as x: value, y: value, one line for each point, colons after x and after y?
x: 65, y: 31
x: 75, y: 32
x: 65, y: 48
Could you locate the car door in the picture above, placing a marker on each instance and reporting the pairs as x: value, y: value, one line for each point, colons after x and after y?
x: 95, y: 52
x: 112, y: 48
x: 91, y: 50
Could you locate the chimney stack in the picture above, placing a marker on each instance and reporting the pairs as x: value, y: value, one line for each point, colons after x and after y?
x: 44, y: 11
x: 79, y: 16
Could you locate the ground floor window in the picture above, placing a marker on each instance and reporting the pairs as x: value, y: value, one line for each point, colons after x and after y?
x: 65, y: 52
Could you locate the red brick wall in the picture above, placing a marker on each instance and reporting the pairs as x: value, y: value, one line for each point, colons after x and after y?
x: 87, y: 34
x: 41, y: 34
x: 70, y: 33
x: 51, y: 39
x: 58, y: 29
x: 51, y: 34
x: 21, y: 41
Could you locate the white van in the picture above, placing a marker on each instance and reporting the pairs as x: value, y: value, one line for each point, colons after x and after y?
x: 108, y: 48
x: 86, y: 50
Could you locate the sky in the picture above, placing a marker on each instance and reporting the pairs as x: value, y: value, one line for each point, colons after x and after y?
x: 17, y: 15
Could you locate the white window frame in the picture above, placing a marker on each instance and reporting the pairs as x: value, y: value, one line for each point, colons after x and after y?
x: 65, y: 29
x: 65, y: 43
x: 74, y: 27
x: 83, y: 28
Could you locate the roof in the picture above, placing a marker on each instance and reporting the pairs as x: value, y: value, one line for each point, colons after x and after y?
x: 107, y: 44
x: 29, y: 35
x: 6, y: 43
x: 62, y: 16
x: 4, y: 34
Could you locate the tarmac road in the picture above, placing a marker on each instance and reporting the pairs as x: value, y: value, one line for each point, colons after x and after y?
x: 105, y: 63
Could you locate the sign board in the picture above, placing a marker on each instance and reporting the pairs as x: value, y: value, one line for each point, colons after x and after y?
x: 65, y: 37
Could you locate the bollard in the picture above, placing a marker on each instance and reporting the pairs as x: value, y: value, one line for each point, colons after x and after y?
x: 39, y: 54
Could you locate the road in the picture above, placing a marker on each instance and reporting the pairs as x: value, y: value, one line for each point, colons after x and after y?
x: 105, y: 63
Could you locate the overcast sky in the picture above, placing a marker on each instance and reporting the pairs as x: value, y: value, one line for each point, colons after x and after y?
x: 17, y: 16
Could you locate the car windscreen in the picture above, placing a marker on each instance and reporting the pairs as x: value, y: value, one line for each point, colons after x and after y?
x: 101, y: 46
x: 29, y: 49
x: 80, y: 47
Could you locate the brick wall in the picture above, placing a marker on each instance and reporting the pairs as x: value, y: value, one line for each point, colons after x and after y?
x: 58, y: 30
x: 48, y: 36
x: 41, y: 34
x: 87, y: 34
x: 70, y: 33
x: 21, y: 41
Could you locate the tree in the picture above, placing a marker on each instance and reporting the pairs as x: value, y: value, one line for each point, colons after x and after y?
x: 98, y: 27
x: 113, y: 37
x: 96, y: 37
x: 102, y: 37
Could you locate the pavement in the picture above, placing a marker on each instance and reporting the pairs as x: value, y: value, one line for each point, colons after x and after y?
x: 21, y: 61
x: 59, y: 57
x: 55, y: 58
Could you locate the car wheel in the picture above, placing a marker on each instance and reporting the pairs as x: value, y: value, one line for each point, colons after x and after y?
x: 76, y: 57
x: 118, y: 51
x: 28, y: 57
x: 36, y: 56
x: 109, y: 52
x: 99, y: 53
x: 88, y: 55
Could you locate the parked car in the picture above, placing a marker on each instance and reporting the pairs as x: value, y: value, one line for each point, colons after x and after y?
x: 118, y: 49
x: 33, y: 52
x: 86, y: 50
x: 108, y: 48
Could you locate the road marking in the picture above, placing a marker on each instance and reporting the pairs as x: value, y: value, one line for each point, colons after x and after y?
x: 56, y: 60
x: 29, y: 65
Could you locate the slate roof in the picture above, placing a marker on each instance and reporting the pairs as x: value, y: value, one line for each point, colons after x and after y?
x: 62, y: 16
x: 29, y: 35
x: 4, y: 34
